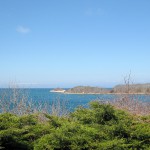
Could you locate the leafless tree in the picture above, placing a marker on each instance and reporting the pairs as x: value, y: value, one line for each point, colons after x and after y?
x: 128, y: 100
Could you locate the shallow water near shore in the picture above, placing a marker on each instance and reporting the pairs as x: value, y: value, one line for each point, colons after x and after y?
x: 42, y: 95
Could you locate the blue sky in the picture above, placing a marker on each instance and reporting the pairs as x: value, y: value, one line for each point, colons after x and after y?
x: 65, y: 43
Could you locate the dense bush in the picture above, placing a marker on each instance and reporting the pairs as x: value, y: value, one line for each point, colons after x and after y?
x: 99, y: 127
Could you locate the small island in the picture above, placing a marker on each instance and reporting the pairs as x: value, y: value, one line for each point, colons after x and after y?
x: 87, y: 90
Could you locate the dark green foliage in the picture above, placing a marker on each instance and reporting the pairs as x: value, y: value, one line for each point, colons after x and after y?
x: 100, y: 127
x: 20, y: 132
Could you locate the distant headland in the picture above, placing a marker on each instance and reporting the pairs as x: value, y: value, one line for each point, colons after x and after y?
x: 87, y: 90
x: 118, y: 89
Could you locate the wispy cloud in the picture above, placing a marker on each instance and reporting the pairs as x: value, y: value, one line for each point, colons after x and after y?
x: 23, y: 30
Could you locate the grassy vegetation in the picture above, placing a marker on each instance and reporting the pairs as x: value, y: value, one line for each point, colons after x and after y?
x: 100, y: 127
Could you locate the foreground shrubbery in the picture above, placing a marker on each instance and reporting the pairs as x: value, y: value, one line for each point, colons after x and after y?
x: 99, y: 127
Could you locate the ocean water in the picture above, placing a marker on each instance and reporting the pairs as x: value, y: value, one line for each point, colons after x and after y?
x: 72, y: 100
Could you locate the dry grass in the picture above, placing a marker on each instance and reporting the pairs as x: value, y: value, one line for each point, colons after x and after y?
x: 15, y: 100
x: 129, y: 102
x: 134, y: 106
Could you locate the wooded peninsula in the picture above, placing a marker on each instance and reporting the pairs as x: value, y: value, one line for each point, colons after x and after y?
x: 118, y: 89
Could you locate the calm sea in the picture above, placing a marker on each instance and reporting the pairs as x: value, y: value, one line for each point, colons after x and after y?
x: 72, y: 100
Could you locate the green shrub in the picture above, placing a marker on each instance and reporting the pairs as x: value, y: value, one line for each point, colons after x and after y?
x: 99, y: 127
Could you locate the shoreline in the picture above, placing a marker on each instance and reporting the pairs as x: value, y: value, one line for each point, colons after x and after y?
x: 108, y: 93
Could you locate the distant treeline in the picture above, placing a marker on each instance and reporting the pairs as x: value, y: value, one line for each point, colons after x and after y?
x: 133, y: 88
